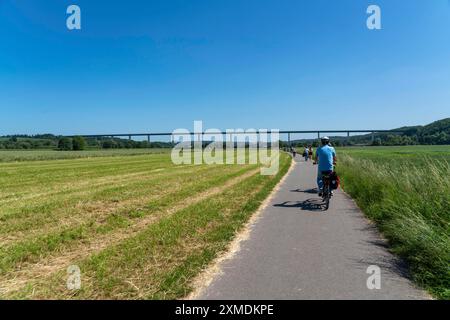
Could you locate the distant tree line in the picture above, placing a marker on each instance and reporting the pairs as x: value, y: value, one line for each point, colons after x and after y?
x: 48, y: 141
x: 114, y: 143
x: 436, y: 133
x: 75, y: 144
x: 15, y: 142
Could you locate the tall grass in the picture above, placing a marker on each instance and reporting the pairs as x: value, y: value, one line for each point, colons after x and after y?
x: 410, y: 202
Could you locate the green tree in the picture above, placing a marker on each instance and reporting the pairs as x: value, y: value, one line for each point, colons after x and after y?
x: 108, y: 144
x: 78, y: 143
x: 377, y: 142
x: 65, y: 144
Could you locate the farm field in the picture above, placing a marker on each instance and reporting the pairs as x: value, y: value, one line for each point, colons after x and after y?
x: 36, y: 155
x: 402, y: 154
x: 138, y: 227
x: 406, y: 191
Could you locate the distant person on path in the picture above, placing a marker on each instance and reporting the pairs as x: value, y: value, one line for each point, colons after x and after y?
x: 326, y: 158
x: 293, y: 151
x: 310, y: 152
x: 306, y: 153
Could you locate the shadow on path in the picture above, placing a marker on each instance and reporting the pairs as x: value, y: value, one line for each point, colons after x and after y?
x: 309, y: 205
x: 309, y: 191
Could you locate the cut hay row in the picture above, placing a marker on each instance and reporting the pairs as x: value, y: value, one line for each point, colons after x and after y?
x: 77, y: 227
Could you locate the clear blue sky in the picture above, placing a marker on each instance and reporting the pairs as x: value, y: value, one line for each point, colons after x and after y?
x: 159, y: 65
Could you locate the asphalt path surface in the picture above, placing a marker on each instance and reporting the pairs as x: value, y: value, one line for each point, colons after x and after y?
x: 296, y: 250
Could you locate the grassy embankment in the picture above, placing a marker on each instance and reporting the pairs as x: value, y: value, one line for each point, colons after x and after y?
x: 138, y: 227
x: 406, y: 191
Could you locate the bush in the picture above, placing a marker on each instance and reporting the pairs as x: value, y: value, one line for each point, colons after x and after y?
x: 78, y: 143
x: 65, y: 144
x: 377, y: 142
x: 108, y: 144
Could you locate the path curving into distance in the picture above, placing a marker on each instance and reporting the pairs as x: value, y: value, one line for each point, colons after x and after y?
x: 297, y: 251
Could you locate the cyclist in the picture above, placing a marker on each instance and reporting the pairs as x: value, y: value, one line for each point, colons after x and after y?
x: 326, y: 158
x: 306, y: 153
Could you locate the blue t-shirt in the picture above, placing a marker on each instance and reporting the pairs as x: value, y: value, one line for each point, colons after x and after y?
x: 325, y: 155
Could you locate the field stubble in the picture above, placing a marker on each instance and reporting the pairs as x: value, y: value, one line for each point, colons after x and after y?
x: 138, y: 214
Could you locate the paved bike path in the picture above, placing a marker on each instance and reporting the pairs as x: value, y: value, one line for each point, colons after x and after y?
x: 297, y: 251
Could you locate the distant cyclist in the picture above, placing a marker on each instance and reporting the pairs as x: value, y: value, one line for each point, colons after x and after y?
x: 306, y: 153
x: 326, y: 158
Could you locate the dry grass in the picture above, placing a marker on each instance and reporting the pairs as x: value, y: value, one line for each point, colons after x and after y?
x: 57, y: 213
x: 28, y: 272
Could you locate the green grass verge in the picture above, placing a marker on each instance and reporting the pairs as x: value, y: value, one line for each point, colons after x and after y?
x: 409, y: 199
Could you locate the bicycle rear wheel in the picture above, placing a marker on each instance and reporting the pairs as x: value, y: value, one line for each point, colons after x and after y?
x: 326, y: 196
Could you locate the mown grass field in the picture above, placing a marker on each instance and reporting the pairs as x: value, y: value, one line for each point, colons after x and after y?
x: 36, y: 155
x: 139, y: 227
x: 406, y: 191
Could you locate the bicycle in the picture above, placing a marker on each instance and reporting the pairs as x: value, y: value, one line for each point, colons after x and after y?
x: 326, y: 191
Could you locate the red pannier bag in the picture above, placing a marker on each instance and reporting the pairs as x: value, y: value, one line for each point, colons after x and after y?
x: 334, y: 180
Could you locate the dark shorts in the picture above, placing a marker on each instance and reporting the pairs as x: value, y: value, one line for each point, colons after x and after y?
x: 326, y: 173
